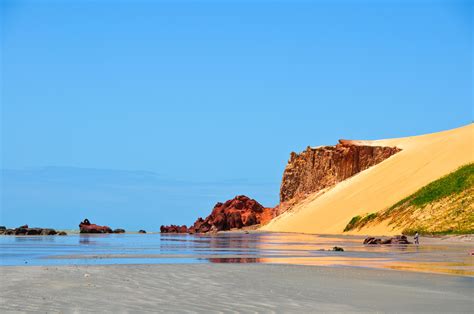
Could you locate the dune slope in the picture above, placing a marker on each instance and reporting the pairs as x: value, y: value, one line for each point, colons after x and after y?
x: 422, y: 160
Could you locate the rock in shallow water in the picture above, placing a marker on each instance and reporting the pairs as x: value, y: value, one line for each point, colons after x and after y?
x: 399, y: 239
x: 25, y: 230
x: 86, y: 227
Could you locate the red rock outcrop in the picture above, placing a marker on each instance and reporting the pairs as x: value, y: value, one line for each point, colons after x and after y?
x: 318, y: 168
x: 86, y: 227
x: 236, y: 213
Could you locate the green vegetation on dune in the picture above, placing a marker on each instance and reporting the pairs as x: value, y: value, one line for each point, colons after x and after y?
x: 453, y: 183
x: 358, y: 221
x: 445, y: 206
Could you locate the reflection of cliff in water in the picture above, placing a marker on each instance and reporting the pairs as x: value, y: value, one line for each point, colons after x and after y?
x: 234, y: 244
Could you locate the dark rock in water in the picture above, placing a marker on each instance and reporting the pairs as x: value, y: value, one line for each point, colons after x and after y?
x: 21, y: 230
x: 338, y: 249
x: 33, y: 231
x: 372, y: 240
x: 48, y: 232
x: 399, y: 239
x: 62, y: 233
x: 3, y: 228
x: 141, y: 231
x: 86, y: 227
x: 119, y: 231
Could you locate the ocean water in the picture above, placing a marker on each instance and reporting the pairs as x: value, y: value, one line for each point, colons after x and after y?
x: 273, y: 248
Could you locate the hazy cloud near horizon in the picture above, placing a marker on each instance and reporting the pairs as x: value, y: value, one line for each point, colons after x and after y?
x: 61, y: 197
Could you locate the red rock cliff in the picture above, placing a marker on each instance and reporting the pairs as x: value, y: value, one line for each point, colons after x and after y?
x: 317, y: 168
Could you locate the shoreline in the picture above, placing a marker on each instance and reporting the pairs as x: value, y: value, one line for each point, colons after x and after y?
x: 257, y: 230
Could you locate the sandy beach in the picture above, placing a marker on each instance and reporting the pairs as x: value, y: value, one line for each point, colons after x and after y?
x: 230, y: 287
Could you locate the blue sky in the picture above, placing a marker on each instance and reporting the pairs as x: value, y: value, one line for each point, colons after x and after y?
x: 138, y: 113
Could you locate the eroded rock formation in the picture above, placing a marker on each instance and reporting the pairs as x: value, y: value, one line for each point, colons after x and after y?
x: 236, y: 213
x: 318, y: 168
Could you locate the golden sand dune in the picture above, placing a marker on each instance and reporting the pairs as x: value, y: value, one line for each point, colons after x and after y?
x: 422, y: 160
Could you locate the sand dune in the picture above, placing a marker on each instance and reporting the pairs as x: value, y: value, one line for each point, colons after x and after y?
x: 422, y: 160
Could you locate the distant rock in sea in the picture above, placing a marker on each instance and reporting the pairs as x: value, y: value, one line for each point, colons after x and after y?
x: 26, y: 230
x: 86, y: 227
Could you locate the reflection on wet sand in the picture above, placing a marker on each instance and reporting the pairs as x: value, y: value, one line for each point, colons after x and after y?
x: 463, y: 269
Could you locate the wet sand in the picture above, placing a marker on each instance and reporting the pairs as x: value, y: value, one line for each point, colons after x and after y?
x: 230, y: 287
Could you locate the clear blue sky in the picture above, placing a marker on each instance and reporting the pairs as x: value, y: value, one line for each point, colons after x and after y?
x: 138, y: 113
